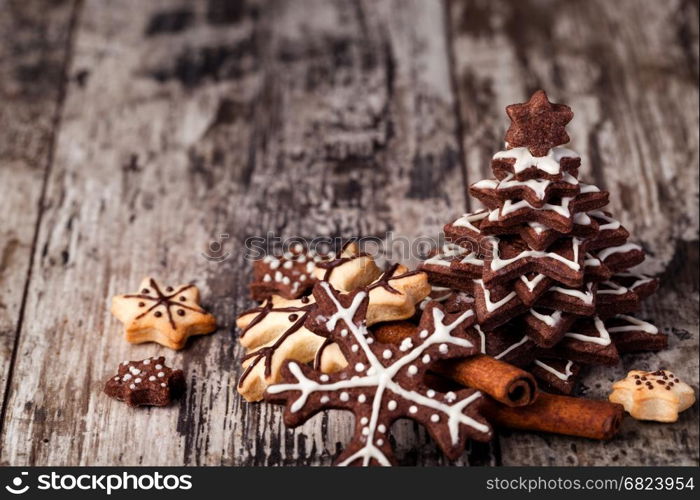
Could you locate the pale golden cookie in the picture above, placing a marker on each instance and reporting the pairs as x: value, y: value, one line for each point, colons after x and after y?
x: 167, y: 315
x: 658, y: 395
x: 274, y: 332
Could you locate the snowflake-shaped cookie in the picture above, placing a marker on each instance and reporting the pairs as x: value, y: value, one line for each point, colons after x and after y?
x: 384, y: 382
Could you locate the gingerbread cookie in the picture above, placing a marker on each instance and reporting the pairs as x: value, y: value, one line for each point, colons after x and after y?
x: 538, y: 124
x: 588, y: 342
x: 167, y: 315
x: 289, y: 276
x: 631, y: 334
x: 658, y: 396
x: 145, y: 383
x: 556, y: 375
x: 383, y: 382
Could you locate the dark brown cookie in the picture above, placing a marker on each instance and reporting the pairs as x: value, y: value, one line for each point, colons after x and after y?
x: 556, y: 375
x: 537, y: 192
x: 631, y: 334
x: 612, y: 299
x: 291, y: 276
x: 384, y: 382
x: 538, y: 124
x: 145, y: 383
x: 546, y: 327
x: 508, y: 259
x: 622, y: 257
x: 587, y: 342
x: 506, y: 217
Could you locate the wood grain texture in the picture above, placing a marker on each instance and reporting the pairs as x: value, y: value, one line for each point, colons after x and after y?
x: 629, y: 71
x: 205, y: 120
x: 33, y: 49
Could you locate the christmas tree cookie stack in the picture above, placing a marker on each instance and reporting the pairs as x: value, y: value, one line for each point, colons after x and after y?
x: 549, y: 270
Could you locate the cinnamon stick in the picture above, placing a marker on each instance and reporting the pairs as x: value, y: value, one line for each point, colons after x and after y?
x: 559, y: 415
x: 500, y: 380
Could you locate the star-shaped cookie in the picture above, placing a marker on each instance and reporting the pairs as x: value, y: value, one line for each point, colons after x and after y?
x: 538, y: 124
x: 167, y: 315
x: 658, y: 395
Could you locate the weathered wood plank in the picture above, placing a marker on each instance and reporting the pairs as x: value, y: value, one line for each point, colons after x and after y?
x: 33, y: 51
x: 629, y: 71
x: 205, y: 120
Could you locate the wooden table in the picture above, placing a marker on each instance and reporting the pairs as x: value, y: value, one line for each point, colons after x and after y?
x: 133, y: 134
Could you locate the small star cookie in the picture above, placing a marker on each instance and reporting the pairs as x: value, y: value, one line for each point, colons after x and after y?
x: 145, y: 383
x: 658, y: 395
x: 166, y: 315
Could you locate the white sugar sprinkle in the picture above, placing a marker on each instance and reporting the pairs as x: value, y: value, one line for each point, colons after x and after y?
x: 344, y: 332
x: 151, y: 378
x: 413, y: 409
x: 412, y: 370
x: 288, y: 264
x: 344, y: 396
x: 431, y: 393
x: 450, y: 396
x: 127, y: 376
x: 134, y: 370
x: 267, y: 278
x: 146, y: 361
x: 434, y: 417
x: 362, y: 398
x: 365, y: 431
x: 137, y: 380
x: 161, y: 374
x: 323, y: 378
x: 132, y: 386
x: 324, y: 399
x: 359, y: 367
x: 391, y: 405
x: 443, y: 348
x: 159, y: 367
x: 426, y: 359
x: 364, y: 420
x: 423, y: 334
x: 381, y: 428
x: 116, y: 378
x: 380, y: 442
x: 162, y: 384
x: 354, y: 348
x: 386, y: 354
x: 370, y: 340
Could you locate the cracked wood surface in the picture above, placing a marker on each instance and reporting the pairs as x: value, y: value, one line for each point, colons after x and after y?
x: 185, y: 121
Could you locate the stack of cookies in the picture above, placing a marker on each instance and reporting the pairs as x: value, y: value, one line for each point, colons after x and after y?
x: 547, y: 268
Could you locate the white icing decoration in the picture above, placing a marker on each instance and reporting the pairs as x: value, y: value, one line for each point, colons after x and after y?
x: 364, y: 421
x: 588, y: 188
x: 430, y: 393
x: 146, y: 361
x: 159, y: 367
x: 435, y: 417
x: 482, y: 347
x: 406, y: 344
x: 548, y: 319
x: 325, y: 399
x: 607, y: 252
x: 610, y: 223
x: 324, y: 378
x: 514, y: 346
x: 604, y: 338
x: 584, y: 296
x: 532, y: 283
x: 537, y: 186
x: 447, y: 251
x: 359, y: 367
x: 450, y: 397
x: 383, y: 378
x: 560, y: 375
x: 508, y: 207
x: 614, y: 289
x: 412, y: 370
x: 550, y: 163
x: 497, y: 263
x: 386, y: 354
x: 467, y: 220
x: 493, y: 306
x: 635, y: 325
